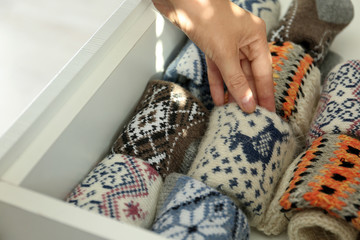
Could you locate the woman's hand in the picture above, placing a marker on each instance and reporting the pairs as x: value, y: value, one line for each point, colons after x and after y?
x: 234, y: 42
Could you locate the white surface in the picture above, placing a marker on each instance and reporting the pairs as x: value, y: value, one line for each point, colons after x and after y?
x: 37, y: 38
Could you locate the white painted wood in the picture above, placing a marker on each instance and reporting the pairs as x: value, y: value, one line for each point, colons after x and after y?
x: 29, y: 215
x: 69, y: 80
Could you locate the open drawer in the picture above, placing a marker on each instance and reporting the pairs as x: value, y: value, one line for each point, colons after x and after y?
x: 72, y: 124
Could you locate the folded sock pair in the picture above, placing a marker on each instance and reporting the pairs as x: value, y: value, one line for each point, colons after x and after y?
x: 189, y: 209
x: 243, y: 156
x: 326, y: 175
x: 314, y: 24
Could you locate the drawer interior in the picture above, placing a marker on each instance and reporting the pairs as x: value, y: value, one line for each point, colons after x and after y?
x: 82, y: 135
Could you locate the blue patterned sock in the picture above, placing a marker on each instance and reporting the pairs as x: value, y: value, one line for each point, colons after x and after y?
x: 338, y: 111
x: 191, y: 210
x: 189, y: 69
x: 244, y: 155
x: 122, y: 188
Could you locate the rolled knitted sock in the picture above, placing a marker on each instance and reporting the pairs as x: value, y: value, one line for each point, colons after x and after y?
x: 189, y: 69
x: 297, y: 86
x: 120, y: 187
x: 338, y: 111
x: 331, y: 60
x: 244, y: 155
x: 314, y: 24
x: 327, y: 176
x: 167, y: 120
x: 191, y: 210
x: 314, y: 224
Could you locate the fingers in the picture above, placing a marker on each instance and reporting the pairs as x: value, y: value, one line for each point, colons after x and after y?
x: 236, y: 82
x: 216, y: 82
x: 246, y: 67
x: 264, y: 84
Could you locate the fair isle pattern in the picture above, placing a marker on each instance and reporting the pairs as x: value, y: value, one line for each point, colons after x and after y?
x: 302, y: 25
x: 297, y: 85
x: 244, y: 155
x: 189, y: 68
x: 195, y: 211
x: 327, y: 176
x: 338, y: 111
x: 167, y: 120
x: 120, y: 187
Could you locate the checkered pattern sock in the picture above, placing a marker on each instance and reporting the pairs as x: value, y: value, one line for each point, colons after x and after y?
x: 189, y: 69
x: 190, y: 209
x: 244, y: 155
x: 314, y: 24
x: 338, y: 111
x: 314, y: 224
x: 120, y: 187
x: 331, y: 60
x: 297, y: 86
x: 166, y: 123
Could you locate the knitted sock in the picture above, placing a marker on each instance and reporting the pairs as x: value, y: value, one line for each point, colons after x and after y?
x: 338, y: 111
x: 297, y: 86
x: 120, y: 187
x: 314, y: 24
x: 314, y: 224
x: 331, y: 60
x: 189, y: 69
x: 244, y: 155
x: 191, y: 210
x: 327, y: 176
x: 167, y: 120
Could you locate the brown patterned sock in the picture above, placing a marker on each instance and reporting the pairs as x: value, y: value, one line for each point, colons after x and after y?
x: 314, y: 24
x: 165, y: 124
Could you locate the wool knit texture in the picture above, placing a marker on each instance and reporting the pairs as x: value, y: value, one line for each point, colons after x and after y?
x: 297, y: 86
x: 314, y: 24
x: 189, y: 68
x: 192, y: 210
x: 122, y: 188
x: 166, y: 123
x: 327, y: 176
x: 338, y: 111
x: 243, y: 155
x: 314, y: 224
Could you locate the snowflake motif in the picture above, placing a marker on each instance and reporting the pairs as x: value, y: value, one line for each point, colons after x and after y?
x: 195, y: 225
x: 134, y: 211
x: 151, y: 172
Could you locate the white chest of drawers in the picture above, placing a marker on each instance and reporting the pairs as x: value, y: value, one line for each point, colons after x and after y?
x: 72, y: 124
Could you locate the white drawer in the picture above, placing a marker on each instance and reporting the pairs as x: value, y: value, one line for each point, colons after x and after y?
x: 73, y: 122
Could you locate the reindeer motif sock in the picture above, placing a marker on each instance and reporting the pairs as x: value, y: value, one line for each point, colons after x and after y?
x: 189, y: 69
x: 244, y: 155
x: 120, y: 187
x: 338, y: 111
x: 190, y: 209
x: 167, y: 122
x: 314, y: 24
x: 314, y: 224
x: 297, y: 86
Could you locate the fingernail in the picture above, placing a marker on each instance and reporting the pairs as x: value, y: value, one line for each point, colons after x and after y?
x: 248, y: 103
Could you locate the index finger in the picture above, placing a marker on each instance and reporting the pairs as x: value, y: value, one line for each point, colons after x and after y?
x: 262, y: 71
